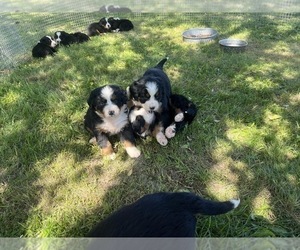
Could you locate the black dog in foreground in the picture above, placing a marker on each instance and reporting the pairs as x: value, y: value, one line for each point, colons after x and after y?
x: 45, y: 47
x: 66, y: 39
x: 160, y: 215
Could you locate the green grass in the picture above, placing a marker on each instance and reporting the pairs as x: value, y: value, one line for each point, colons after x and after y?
x: 244, y: 142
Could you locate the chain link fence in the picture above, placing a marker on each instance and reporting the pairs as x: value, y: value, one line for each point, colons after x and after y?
x: 23, y: 23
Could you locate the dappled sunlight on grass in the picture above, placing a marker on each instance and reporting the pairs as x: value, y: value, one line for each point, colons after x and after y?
x: 262, y: 205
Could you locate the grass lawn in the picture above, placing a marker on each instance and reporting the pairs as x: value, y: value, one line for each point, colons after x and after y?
x: 244, y: 142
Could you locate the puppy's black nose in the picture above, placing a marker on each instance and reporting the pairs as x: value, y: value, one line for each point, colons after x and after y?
x: 111, y: 113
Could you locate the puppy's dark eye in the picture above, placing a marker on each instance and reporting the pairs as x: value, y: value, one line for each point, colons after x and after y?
x: 147, y: 95
x: 113, y: 98
x: 157, y: 95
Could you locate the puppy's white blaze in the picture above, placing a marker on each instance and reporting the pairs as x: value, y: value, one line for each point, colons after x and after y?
x: 148, y: 117
x: 152, y: 102
x: 107, y: 92
x: 133, y: 152
x: 235, y: 203
x: 53, y: 43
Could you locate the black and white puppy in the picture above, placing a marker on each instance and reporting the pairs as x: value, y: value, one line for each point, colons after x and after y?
x: 66, y: 39
x: 114, y: 9
x: 142, y: 121
x: 108, y: 115
x: 46, y: 46
x: 160, y: 215
x: 152, y: 92
x: 114, y: 24
x: 184, y: 112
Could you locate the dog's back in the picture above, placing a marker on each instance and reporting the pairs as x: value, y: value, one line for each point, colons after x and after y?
x: 160, y: 215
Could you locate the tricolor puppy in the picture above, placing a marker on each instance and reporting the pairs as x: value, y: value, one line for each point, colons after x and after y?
x: 184, y: 112
x: 114, y: 24
x: 46, y: 46
x: 66, y: 39
x: 96, y: 29
x: 152, y: 93
x: 160, y: 215
x: 108, y: 115
x: 142, y: 121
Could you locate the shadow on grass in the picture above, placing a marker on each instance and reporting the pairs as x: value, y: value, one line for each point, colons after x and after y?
x: 265, y: 177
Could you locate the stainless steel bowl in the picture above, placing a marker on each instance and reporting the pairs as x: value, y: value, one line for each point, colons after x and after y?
x: 197, y: 35
x: 233, y: 45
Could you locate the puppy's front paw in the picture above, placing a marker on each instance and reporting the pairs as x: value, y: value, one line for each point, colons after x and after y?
x: 170, y: 131
x: 179, y: 117
x: 161, y: 139
x: 133, y: 152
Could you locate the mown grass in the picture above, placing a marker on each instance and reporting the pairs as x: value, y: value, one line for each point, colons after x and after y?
x: 244, y: 142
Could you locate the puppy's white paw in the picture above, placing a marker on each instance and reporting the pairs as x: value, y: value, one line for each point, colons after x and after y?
x: 161, y: 139
x: 133, y: 152
x: 179, y: 117
x: 93, y: 140
x: 112, y: 156
x: 170, y: 131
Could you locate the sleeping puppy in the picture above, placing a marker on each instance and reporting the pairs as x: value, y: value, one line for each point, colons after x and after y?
x: 114, y: 9
x: 142, y: 121
x: 96, y: 29
x: 184, y: 112
x: 46, y: 46
x: 160, y: 215
x: 81, y: 37
x: 66, y: 39
x: 114, y: 24
x: 107, y: 115
x: 152, y: 92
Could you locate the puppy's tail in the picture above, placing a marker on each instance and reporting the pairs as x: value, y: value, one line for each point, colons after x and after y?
x: 199, y: 205
x: 160, y: 65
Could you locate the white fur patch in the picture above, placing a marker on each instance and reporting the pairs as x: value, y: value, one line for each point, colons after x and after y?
x: 148, y: 117
x: 114, y: 124
x: 133, y: 152
x: 53, y: 43
x: 235, y: 203
x: 152, y: 104
x: 179, y: 117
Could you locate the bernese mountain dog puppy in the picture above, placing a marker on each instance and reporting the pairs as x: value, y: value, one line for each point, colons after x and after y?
x: 152, y: 92
x: 66, y: 39
x: 114, y: 9
x: 142, y: 121
x: 183, y: 111
x: 108, y: 115
x: 115, y: 24
x: 160, y: 215
x: 45, y: 47
x: 96, y: 29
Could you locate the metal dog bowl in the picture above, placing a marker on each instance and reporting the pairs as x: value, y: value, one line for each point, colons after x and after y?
x: 233, y: 45
x: 198, y: 35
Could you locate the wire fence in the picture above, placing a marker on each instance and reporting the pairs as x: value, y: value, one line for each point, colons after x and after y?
x: 23, y: 23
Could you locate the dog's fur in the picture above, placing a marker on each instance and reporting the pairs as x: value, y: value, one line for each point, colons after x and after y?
x: 142, y: 121
x: 66, y: 39
x: 184, y: 112
x: 160, y: 215
x: 114, y: 9
x: 108, y: 115
x: 46, y: 46
x: 152, y: 92
x: 95, y: 29
x: 114, y: 24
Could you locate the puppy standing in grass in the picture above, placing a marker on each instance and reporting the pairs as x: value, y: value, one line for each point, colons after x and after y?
x: 108, y: 115
x: 152, y: 93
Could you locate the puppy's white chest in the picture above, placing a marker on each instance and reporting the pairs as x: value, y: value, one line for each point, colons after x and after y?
x: 114, y: 125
